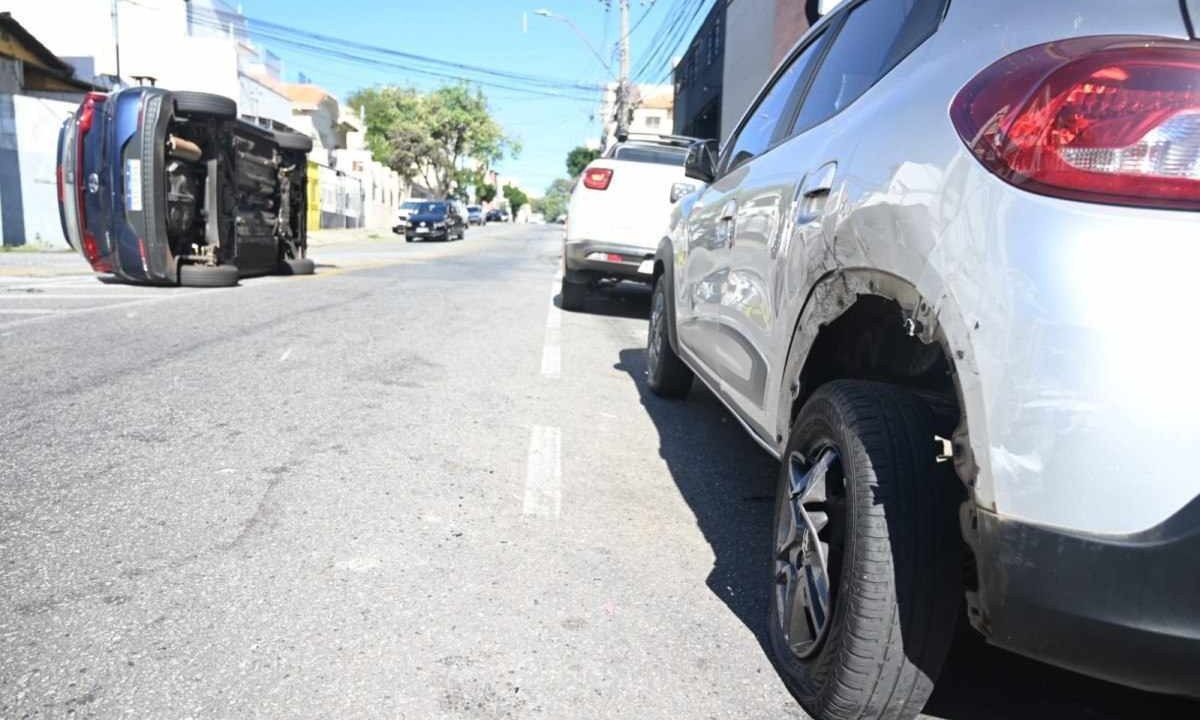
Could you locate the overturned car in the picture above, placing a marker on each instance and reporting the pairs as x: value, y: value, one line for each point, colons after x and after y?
x: 172, y: 188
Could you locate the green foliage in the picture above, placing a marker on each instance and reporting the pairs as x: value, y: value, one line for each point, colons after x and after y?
x: 429, y: 137
x: 485, y: 193
x: 554, y: 203
x: 515, y: 197
x: 579, y: 158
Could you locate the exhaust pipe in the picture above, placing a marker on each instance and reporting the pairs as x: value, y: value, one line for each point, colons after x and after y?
x: 183, y: 149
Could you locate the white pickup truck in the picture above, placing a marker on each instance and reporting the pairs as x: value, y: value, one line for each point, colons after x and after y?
x: 619, y: 210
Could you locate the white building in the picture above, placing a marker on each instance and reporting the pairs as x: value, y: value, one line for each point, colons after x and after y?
x: 653, y: 110
x: 201, y: 45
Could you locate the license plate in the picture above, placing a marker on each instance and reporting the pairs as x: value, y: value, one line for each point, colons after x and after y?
x: 422, y: 230
x: 647, y: 267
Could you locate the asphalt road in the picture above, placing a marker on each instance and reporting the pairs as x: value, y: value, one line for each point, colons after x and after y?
x: 409, y: 487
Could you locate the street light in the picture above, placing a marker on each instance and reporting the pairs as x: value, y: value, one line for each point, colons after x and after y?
x: 561, y: 18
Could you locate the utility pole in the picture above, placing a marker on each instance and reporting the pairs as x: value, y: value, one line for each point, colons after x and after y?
x: 623, y: 89
x: 116, y: 39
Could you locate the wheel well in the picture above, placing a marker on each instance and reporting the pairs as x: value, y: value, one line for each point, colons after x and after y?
x: 871, y: 341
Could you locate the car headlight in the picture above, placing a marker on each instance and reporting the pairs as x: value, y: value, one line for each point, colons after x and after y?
x: 678, y: 190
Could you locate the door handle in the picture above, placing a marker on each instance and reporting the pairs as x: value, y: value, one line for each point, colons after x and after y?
x: 725, y: 224
x: 814, y: 189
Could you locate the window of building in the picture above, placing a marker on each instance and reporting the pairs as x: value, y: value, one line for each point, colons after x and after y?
x: 653, y: 122
x: 757, y: 135
x: 876, y: 36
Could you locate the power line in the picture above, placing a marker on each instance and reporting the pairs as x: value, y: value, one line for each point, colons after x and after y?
x: 304, y: 47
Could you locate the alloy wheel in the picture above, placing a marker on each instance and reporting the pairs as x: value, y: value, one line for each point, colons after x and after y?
x: 654, y: 341
x: 808, y: 527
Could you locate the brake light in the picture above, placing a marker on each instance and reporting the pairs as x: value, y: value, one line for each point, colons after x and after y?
x: 1102, y: 119
x: 597, y: 178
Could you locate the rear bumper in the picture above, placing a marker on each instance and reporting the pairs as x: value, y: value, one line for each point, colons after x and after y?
x: 1121, y: 608
x: 584, y: 256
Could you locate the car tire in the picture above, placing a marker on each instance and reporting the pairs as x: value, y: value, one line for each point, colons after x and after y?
x: 879, y: 533
x: 209, y: 276
x: 294, y: 142
x: 666, y: 374
x: 573, y: 295
x: 198, y: 103
x: 297, y: 266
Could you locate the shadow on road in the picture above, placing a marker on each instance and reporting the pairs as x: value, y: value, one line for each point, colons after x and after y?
x: 729, y: 483
x: 626, y: 299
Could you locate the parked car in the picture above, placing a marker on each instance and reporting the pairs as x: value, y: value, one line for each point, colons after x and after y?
x: 171, y: 187
x: 436, y: 220
x: 942, y: 270
x: 475, y: 215
x: 407, y: 208
x: 618, y: 211
x: 497, y: 215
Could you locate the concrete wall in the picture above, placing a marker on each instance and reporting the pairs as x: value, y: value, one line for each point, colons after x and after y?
x: 28, y: 186
x: 748, y: 59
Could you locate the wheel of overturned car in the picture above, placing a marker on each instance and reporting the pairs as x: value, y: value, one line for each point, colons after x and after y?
x: 198, y: 103
x: 573, y: 294
x: 297, y: 266
x: 293, y: 141
x: 666, y: 374
x: 208, y: 275
x: 866, y: 562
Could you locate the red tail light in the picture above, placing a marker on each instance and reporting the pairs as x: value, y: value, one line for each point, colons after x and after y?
x: 87, y: 116
x: 597, y: 178
x: 1101, y: 119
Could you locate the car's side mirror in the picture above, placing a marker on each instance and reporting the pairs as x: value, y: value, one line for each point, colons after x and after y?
x: 701, y: 163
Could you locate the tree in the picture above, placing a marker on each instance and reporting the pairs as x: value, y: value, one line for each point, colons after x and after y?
x: 579, y: 158
x: 554, y: 203
x: 485, y: 193
x: 433, y: 137
x: 515, y: 197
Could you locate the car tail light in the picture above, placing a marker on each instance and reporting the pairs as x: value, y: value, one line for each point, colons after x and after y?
x: 91, y: 250
x: 1100, y: 119
x: 597, y: 178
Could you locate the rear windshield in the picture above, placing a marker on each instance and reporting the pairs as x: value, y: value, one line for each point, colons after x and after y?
x: 473, y: 208
x: 648, y: 154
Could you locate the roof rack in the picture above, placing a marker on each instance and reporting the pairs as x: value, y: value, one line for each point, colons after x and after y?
x: 681, y: 140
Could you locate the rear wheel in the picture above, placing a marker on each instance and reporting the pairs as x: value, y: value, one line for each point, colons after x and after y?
x: 208, y: 275
x: 198, y: 103
x: 293, y: 141
x: 573, y: 294
x: 666, y: 374
x: 866, y: 555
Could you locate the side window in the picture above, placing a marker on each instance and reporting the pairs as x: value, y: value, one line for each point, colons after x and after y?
x: 876, y: 36
x: 758, y: 133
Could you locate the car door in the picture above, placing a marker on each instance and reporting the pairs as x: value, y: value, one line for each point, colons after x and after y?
x: 781, y: 203
x: 713, y: 227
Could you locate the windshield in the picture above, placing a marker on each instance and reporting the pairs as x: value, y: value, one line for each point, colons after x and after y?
x: 651, y: 154
x: 432, y: 208
x: 411, y: 205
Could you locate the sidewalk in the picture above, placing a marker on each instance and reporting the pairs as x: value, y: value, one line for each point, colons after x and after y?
x: 321, y: 238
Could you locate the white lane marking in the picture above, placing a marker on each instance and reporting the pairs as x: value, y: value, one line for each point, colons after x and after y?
x: 543, y: 473
x: 151, y: 300
x: 7, y: 295
x: 552, y: 349
x: 29, y: 311
x: 286, y: 354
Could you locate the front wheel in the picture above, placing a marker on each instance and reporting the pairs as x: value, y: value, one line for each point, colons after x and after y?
x: 666, y: 374
x: 208, y: 276
x: 866, y: 556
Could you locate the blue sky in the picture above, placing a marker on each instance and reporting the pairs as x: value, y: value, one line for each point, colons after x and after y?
x: 476, y: 32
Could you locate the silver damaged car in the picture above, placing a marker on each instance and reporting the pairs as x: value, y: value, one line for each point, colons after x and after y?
x: 944, y: 270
